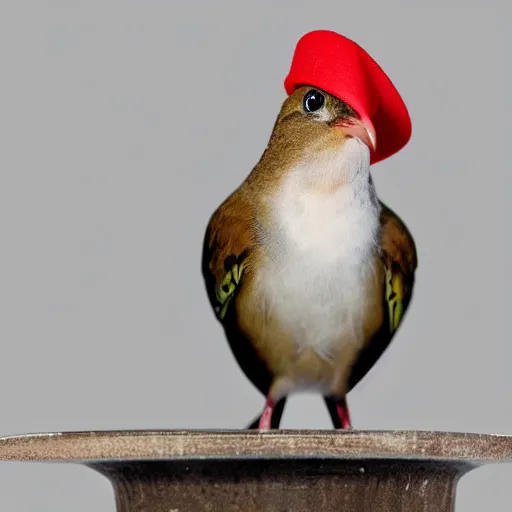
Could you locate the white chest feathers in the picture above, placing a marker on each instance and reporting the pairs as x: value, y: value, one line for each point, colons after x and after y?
x: 321, y: 257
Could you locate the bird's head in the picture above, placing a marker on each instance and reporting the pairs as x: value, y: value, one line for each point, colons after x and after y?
x: 321, y: 120
x: 320, y: 139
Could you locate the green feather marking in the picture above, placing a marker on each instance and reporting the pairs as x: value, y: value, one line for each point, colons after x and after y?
x: 225, y: 291
x: 394, y: 298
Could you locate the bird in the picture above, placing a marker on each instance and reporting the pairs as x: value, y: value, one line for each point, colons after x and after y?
x: 308, y: 271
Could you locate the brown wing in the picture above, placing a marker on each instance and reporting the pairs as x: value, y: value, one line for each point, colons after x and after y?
x: 399, y: 258
x: 226, y: 264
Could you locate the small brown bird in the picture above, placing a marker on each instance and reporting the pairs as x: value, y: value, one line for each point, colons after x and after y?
x: 309, y: 273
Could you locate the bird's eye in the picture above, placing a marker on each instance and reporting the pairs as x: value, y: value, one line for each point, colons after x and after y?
x: 313, y: 101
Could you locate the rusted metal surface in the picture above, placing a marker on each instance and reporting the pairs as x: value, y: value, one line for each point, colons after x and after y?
x: 276, y: 471
x: 75, y: 446
x: 284, y: 486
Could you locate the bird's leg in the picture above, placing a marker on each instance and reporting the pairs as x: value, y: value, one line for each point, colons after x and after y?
x: 339, y: 412
x: 344, y: 415
x: 276, y: 417
x: 279, y: 389
x: 266, y: 417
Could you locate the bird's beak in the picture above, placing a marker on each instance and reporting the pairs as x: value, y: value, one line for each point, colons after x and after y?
x: 359, y: 129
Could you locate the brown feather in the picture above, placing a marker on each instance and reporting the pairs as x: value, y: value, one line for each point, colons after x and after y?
x: 398, y: 251
x: 229, y: 236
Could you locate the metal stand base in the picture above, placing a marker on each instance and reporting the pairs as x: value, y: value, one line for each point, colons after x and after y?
x: 278, y: 471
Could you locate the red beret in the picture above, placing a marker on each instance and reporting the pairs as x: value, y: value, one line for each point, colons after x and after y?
x: 339, y: 66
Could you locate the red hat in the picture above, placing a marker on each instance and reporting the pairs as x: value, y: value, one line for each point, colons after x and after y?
x: 339, y: 66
